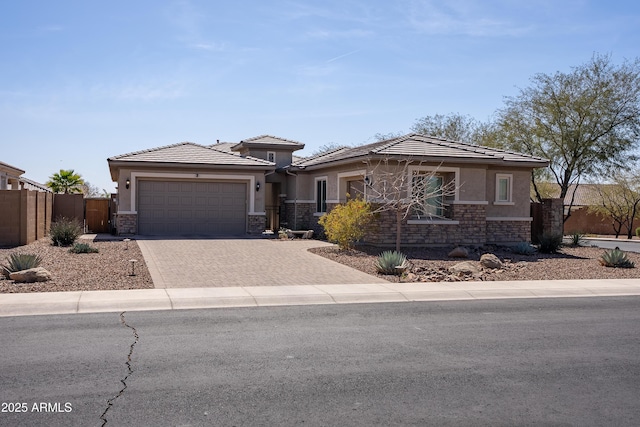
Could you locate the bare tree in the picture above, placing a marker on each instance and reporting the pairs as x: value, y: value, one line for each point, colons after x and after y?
x: 403, y: 187
x: 620, y: 201
x: 90, y: 190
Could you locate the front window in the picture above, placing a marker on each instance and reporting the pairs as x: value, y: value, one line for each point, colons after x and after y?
x: 427, y: 193
x: 321, y: 195
x: 271, y: 156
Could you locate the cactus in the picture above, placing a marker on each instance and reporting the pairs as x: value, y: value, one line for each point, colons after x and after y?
x: 391, y: 262
x: 616, y: 258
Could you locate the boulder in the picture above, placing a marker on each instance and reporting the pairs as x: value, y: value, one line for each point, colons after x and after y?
x: 459, y: 252
x: 31, y: 275
x: 490, y: 261
x: 467, y: 268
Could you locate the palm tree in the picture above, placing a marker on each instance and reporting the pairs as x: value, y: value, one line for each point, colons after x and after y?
x: 66, y: 181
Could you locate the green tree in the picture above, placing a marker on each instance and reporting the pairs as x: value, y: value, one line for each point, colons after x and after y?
x: 454, y: 127
x: 65, y: 181
x: 586, y: 122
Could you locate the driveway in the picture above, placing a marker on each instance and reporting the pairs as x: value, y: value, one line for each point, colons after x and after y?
x: 197, y: 263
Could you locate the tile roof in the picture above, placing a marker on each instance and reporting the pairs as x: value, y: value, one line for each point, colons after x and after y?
x: 423, y: 146
x: 190, y: 153
x: 223, y: 146
x: 13, y: 169
x: 586, y: 194
x: 272, y: 140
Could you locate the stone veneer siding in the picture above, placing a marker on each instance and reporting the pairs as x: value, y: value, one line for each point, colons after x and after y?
x: 301, y: 218
x: 553, y: 216
x: 126, y: 224
x: 470, y: 229
x: 508, y: 231
x: 257, y: 224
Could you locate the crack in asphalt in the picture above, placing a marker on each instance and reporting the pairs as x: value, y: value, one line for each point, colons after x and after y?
x: 110, y: 402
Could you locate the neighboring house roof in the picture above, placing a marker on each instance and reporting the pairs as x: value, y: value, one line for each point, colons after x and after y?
x: 268, y: 141
x: 586, y: 194
x: 423, y: 147
x: 7, y: 168
x: 33, y: 185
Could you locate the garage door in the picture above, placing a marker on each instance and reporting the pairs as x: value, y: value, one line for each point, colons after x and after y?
x: 183, y: 208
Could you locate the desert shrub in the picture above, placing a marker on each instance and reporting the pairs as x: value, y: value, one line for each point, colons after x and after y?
x: 389, y: 261
x: 576, y: 239
x: 346, y: 223
x: 19, y: 262
x: 524, y: 248
x: 550, y: 243
x: 65, y: 231
x: 83, y: 248
x: 616, y: 258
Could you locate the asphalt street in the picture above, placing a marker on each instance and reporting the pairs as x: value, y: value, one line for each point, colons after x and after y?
x: 494, y: 362
x: 622, y: 243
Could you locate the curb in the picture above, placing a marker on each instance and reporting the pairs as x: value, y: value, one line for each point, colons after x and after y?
x: 83, y: 302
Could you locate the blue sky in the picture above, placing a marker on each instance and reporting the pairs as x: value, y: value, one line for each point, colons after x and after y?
x: 81, y: 81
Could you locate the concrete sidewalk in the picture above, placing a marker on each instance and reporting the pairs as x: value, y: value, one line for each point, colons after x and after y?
x: 255, y: 296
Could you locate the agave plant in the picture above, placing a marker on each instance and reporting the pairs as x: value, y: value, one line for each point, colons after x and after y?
x: 19, y: 262
x: 391, y: 262
x: 524, y: 248
x: 83, y: 248
x: 616, y: 258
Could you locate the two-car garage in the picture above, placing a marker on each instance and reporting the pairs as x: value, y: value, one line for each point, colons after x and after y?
x: 192, y: 208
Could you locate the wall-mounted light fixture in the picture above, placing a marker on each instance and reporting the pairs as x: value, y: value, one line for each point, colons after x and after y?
x: 127, y: 183
x: 367, y: 180
x: 257, y: 186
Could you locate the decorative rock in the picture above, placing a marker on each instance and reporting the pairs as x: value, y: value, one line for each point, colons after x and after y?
x: 467, y: 268
x: 31, y: 275
x: 459, y: 252
x: 410, y: 277
x: 490, y: 261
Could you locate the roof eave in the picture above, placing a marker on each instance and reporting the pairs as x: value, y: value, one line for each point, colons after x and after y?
x: 533, y: 163
x: 128, y: 163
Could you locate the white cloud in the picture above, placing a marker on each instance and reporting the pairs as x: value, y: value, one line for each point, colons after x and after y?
x: 141, y: 91
x: 333, y: 34
x: 463, y: 17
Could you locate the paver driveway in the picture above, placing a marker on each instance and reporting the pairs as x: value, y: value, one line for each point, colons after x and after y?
x: 196, y: 263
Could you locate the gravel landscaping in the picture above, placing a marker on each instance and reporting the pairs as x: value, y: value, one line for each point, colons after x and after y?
x: 110, y: 268
x: 431, y: 265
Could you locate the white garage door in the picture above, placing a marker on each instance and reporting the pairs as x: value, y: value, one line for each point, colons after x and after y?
x: 184, y: 208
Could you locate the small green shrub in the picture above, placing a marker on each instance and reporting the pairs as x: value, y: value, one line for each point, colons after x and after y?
x: 524, y: 248
x: 550, y: 243
x: 389, y: 261
x: 616, y: 258
x: 19, y: 262
x: 576, y: 239
x: 638, y: 232
x: 83, y: 248
x: 65, y: 231
x: 346, y: 223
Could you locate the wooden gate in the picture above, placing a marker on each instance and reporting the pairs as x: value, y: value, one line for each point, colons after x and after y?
x: 97, y: 215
